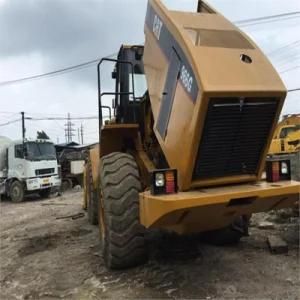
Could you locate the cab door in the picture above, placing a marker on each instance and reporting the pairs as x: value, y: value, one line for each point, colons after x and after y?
x: 168, y: 94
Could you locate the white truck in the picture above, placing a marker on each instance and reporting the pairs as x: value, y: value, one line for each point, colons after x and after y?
x: 27, y: 166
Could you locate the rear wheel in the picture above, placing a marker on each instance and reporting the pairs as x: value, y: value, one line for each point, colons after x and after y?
x: 121, y: 233
x: 16, y: 191
x: 228, y: 235
x: 45, y: 193
x: 66, y: 184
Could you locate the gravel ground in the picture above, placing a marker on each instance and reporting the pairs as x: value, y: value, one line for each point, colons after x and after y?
x: 42, y: 257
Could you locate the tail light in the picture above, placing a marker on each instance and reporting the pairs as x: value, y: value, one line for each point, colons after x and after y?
x: 277, y: 170
x: 164, y: 182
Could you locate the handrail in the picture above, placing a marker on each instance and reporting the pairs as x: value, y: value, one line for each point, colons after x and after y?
x: 109, y: 110
x: 100, y: 94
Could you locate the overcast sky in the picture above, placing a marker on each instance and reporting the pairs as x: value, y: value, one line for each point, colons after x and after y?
x: 38, y: 36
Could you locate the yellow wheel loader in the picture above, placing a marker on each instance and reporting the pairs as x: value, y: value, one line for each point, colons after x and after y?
x: 286, y: 138
x: 193, y: 115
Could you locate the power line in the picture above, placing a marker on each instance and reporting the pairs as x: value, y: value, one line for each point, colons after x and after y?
x: 283, y: 47
x: 286, y: 56
x: 287, y: 61
x: 268, y: 21
x: 44, y: 115
x: 61, y: 118
x: 87, y: 64
x: 10, y: 122
x: 47, y: 114
x: 53, y: 119
x: 290, y: 69
x: 58, y: 72
x: 49, y: 74
x: 272, y: 17
x: 7, y: 112
x: 294, y: 90
x: 90, y: 63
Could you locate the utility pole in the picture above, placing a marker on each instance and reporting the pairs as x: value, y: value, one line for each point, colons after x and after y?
x: 23, y: 125
x: 81, y: 129
x: 69, y: 130
x: 23, y: 132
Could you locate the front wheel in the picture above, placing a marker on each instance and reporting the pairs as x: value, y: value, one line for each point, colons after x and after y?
x: 16, y: 191
x: 122, y: 235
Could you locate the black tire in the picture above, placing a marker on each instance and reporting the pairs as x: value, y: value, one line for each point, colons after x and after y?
x: 122, y: 235
x: 66, y: 184
x: 229, y: 235
x: 45, y: 193
x: 92, y: 200
x: 16, y: 192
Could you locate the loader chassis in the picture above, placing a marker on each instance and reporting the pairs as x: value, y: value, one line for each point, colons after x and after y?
x: 208, y: 111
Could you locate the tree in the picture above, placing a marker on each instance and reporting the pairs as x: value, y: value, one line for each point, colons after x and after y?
x: 42, y: 135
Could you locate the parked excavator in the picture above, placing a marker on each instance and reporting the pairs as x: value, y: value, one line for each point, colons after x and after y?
x: 193, y: 115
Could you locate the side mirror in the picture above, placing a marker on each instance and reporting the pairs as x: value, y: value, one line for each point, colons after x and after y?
x: 113, y: 103
x: 114, y: 75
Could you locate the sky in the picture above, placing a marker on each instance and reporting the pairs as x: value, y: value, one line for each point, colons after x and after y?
x: 38, y: 36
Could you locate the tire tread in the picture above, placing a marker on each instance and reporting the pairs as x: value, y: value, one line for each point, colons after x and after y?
x: 124, y: 244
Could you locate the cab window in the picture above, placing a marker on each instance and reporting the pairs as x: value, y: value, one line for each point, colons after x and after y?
x: 286, y: 131
x: 19, y: 151
x: 140, y: 85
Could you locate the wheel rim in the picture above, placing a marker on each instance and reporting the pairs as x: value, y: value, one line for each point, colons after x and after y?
x: 16, y: 192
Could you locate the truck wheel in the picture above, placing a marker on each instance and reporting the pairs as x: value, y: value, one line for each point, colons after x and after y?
x: 66, y: 184
x: 16, y: 191
x: 45, y: 193
x: 92, y: 200
x: 229, y: 235
x: 121, y: 233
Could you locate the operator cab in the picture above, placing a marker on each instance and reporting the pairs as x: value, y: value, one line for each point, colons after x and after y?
x: 130, y: 85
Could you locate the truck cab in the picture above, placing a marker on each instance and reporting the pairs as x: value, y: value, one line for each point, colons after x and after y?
x: 31, y: 166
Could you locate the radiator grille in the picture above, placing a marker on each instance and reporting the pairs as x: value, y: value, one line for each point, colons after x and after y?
x: 44, y: 171
x: 234, y: 136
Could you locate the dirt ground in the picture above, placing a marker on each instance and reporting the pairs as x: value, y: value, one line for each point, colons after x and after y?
x: 42, y: 257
